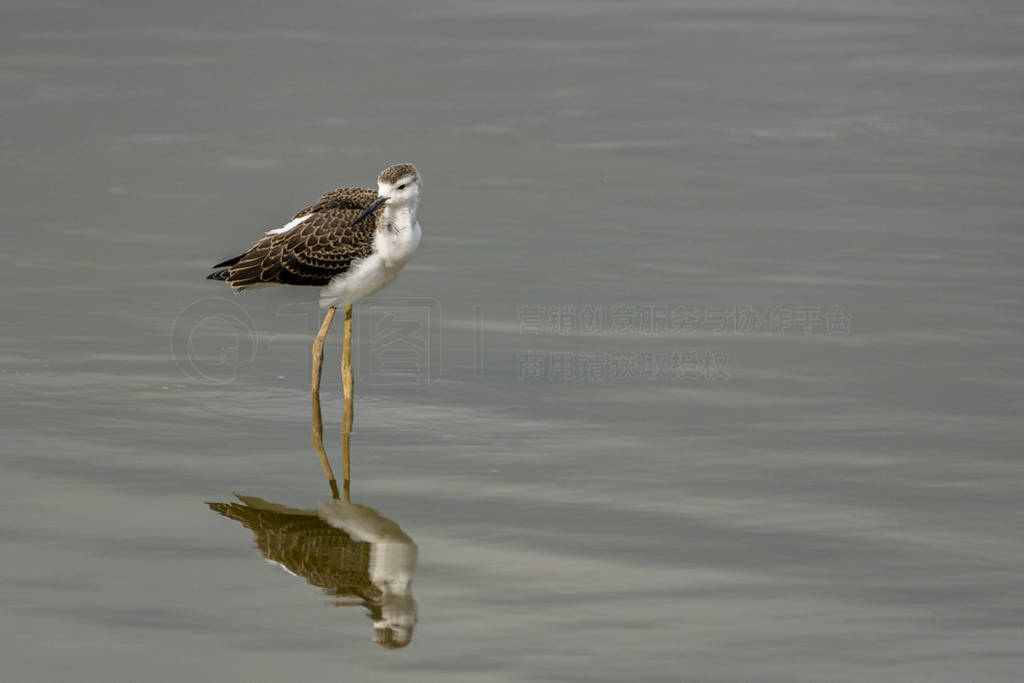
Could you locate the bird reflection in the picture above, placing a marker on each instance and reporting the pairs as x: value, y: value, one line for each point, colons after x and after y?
x: 351, y: 551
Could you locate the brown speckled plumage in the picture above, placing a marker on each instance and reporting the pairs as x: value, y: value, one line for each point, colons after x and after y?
x: 396, y: 172
x: 326, y: 557
x: 317, y: 249
x: 312, y: 252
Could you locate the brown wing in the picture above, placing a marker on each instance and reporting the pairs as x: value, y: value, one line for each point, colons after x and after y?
x: 314, y: 251
x: 357, y: 198
x: 308, y: 547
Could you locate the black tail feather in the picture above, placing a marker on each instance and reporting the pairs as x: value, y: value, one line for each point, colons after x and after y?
x: 223, y: 274
x: 229, y: 262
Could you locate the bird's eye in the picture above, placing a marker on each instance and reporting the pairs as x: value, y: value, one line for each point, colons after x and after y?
x: 402, y: 186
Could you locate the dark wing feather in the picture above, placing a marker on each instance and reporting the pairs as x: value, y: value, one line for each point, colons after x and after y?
x: 356, y: 198
x: 312, y: 252
x: 326, y: 557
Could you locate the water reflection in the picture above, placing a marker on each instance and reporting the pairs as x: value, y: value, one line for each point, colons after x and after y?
x: 351, y: 551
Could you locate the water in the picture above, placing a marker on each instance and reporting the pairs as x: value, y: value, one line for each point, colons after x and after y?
x: 764, y: 257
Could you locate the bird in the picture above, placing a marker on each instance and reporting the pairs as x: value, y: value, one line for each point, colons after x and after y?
x: 351, y: 551
x: 350, y: 244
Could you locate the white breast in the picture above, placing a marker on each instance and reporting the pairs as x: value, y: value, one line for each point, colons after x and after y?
x: 396, y: 248
x: 391, y: 251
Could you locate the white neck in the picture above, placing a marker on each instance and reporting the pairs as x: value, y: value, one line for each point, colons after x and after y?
x: 399, y: 218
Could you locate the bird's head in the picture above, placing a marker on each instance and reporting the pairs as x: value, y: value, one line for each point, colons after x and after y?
x: 394, y: 619
x: 400, y: 184
x: 398, y: 187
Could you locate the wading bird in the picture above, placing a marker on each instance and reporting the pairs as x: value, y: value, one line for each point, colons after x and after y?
x: 351, y: 551
x: 351, y: 243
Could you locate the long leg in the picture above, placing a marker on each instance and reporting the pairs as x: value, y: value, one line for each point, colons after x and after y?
x: 318, y: 444
x: 346, y: 355
x: 318, y: 348
x: 349, y: 412
x: 346, y: 439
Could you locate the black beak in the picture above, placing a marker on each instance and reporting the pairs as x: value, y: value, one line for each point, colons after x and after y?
x: 370, y: 209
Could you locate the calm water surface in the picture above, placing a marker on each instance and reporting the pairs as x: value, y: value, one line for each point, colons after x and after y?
x: 708, y: 368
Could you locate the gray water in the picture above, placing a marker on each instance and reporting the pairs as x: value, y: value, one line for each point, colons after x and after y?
x: 708, y: 367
